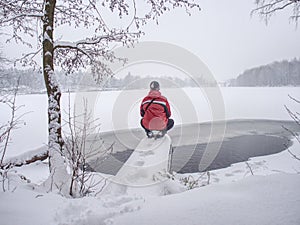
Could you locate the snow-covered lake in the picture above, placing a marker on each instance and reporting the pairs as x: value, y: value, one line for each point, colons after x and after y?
x: 119, y: 110
x: 227, y: 196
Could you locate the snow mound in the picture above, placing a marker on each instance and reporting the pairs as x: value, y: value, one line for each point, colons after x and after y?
x: 263, y: 200
x: 146, y: 170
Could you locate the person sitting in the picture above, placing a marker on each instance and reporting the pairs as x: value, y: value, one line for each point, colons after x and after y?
x: 156, y: 112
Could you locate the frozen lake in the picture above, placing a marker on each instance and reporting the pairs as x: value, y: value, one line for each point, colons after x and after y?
x: 253, y: 122
x: 242, y: 140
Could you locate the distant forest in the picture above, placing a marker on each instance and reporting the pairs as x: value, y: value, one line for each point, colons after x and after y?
x: 31, y: 81
x: 283, y: 73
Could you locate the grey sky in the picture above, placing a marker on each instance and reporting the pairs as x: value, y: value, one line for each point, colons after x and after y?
x: 227, y: 38
x: 224, y: 36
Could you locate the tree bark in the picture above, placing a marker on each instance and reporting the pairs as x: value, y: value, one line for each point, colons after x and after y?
x: 54, y: 113
x: 17, y: 162
x: 59, y: 178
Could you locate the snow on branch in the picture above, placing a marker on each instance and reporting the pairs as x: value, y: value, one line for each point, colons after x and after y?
x: 18, y: 10
x: 27, y: 158
x: 12, y: 124
x: 28, y: 59
x: 94, y: 51
x: 19, y: 16
x: 25, y: 17
x: 113, y: 36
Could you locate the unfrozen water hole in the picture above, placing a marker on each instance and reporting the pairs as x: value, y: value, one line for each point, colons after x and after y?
x: 233, y: 150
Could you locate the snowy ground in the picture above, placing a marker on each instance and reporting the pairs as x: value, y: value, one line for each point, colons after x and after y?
x: 228, y: 196
x: 263, y: 190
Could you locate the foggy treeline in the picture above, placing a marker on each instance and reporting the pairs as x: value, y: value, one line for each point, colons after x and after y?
x: 283, y: 73
x: 31, y: 81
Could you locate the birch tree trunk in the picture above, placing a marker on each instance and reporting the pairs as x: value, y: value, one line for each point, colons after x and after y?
x: 58, y: 174
x: 93, y: 50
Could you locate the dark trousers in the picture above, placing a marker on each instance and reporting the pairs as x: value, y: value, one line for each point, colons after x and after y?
x: 170, y: 124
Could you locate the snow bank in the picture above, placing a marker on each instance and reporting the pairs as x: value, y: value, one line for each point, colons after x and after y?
x: 282, y: 162
x: 263, y: 200
x: 233, y: 197
x: 28, y: 207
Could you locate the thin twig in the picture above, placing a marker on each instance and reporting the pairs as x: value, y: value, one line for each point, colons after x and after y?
x: 296, y: 157
x: 248, y: 165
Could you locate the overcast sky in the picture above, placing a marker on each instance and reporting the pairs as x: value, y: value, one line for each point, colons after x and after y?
x: 225, y: 37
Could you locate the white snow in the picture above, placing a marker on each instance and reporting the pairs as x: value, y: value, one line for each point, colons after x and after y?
x: 27, y: 155
x: 120, y: 109
x: 65, y: 43
x: 254, y: 200
x: 145, y: 169
x: 77, y: 44
x: 48, y: 53
x: 234, y: 196
x: 47, y: 38
x: 227, y: 196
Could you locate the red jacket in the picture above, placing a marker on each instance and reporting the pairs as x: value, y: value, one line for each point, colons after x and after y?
x: 155, y: 115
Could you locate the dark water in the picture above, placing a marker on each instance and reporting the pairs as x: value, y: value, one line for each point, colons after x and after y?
x: 233, y: 150
x: 111, y: 164
x: 236, y: 149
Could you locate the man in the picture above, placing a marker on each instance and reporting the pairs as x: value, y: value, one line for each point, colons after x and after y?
x: 156, y: 112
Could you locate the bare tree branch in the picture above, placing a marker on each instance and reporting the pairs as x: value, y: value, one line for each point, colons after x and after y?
x: 294, y: 99
x: 249, y: 167
x: 93, y: 51
x: 295, y: 117
x: 267, y: 8
x: 77, y: 149
x: 13, y: 122
x: 20, y: 16
x: 293, y: 155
